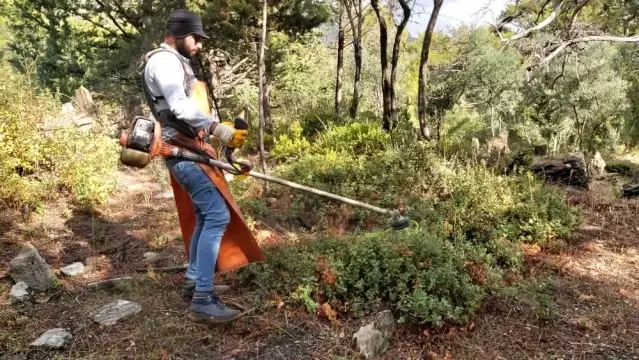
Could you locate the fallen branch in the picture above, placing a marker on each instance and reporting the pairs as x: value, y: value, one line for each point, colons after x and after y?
x: 170, y: 269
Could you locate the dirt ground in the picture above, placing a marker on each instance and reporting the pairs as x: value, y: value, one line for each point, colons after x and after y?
x: 578, y: 300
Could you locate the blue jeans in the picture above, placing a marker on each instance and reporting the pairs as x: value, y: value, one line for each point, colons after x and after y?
x: 212, y: 216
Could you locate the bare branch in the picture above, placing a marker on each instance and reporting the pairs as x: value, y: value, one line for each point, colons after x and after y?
x: 584, y: 39
x: 541, y: 11
x: 576, y: 12
x: 553, y: 15
x: 563, y: 71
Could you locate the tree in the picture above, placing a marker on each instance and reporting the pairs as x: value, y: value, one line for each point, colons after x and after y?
x: 383, y: 56
x: 613, y: 21
x: 237, y: 25
x: 493, y: 79
x: 262, y: 91
x: 355, y: 14
x: 406, y: 10
x: 421, y: 96
x: 340, y: 59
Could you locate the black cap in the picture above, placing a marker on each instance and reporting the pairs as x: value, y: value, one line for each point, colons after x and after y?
x: 183, y: 23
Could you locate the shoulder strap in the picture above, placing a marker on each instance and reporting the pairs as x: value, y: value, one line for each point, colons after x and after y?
x: 153, y: 100
x: 159, y: 50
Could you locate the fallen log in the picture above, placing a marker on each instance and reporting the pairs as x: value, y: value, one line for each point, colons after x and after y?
x: 630, y: 190
x: 571, y: 170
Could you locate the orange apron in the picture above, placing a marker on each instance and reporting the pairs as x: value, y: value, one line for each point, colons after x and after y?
x: 238, y: 247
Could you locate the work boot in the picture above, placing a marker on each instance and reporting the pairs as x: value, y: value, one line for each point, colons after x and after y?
x: 188, y: 288
x: 207, y: 306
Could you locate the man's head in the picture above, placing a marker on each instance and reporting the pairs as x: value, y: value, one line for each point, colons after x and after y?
x: 184, y: 32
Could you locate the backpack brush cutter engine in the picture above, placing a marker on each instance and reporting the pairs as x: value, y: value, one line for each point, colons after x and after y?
x: 144, y: 142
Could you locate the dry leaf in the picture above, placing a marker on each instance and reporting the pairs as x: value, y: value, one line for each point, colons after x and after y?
x: 584, y: 297
x: 325, y: 310
x: 164, y: 355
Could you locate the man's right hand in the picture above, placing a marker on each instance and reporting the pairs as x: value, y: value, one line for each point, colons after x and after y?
x: 230, y: 136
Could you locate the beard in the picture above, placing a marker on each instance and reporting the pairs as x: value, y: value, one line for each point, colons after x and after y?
x: 181, y: 49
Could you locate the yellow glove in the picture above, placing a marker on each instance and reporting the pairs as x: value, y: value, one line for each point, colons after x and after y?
x: 239, y: 136
x: 229, y: 135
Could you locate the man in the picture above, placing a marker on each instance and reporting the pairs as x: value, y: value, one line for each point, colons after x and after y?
x: 202, y: 196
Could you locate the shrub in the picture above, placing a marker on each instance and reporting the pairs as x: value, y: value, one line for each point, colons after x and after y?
x: 423, y: 278
x: 462, y: 199
x: 35, y: 165
x: 362, y: 139
x: 291, y: 143
x: 354, y: 139
x: 471, y: 222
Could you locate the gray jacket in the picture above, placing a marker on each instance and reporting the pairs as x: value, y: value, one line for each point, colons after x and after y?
x: 169, y: 74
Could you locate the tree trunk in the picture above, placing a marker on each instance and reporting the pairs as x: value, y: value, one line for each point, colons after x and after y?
x: 262, y: 90
x: 395, y: 61
x: 421, y: 97
x: 440, y: 121
x: 356, y: 28
x: 358, y: 74
x: 340, y: 64
x: 492, y: 119
x: 383, y: 57
x: 266, y: 99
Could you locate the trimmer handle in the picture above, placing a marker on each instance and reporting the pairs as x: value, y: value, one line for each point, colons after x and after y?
x: 240, y: 124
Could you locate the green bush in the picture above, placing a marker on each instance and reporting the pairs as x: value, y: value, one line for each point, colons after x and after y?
x: 354, y: 139
x: 35, y: 164
x: 422, y: 278
x: 362, y: 139
x: 461, y: 199
x: 290, y: 144
x: 470, y: 224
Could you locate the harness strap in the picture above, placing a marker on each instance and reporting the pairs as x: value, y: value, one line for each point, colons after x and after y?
x: 166, y: 117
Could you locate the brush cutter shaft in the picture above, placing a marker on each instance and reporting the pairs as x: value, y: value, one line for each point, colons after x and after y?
x: 255, y: 174
x: 173, y: 151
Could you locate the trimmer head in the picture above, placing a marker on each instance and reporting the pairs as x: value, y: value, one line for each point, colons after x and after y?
x: 399, y: 221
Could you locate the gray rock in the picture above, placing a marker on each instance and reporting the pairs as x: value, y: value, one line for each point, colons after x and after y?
x: 74, y: 269
x: 31, y: 268
x: 571, y: 170
x: 151, y: 257
x: 374, y: 339
x: 53, y: 339
x: 596, y: 165
x: 19, y: 293
x: 84, y: 123
x: 499, y: 144
x: 111, y: 313
x: 475, y: 144
x: 165, y: 195
x: 85, y: 101
x: 68, y: 109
